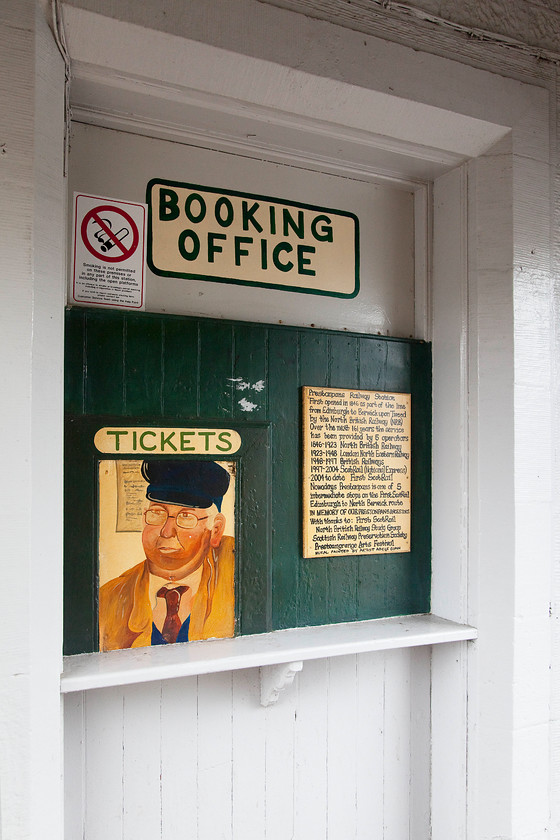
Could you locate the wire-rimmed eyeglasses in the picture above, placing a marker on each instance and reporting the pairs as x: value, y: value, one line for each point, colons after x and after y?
x: 183, y: 519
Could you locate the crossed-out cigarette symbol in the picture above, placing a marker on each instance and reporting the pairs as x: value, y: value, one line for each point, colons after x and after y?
x: 107, y: 242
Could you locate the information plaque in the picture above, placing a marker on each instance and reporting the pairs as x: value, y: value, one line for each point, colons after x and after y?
x: 356, y: 472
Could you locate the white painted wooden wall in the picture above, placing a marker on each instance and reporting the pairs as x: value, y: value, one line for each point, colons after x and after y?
x: 200, y: 757
x: 377, y: 721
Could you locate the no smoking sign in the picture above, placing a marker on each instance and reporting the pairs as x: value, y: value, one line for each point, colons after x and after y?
x: 108, y: 252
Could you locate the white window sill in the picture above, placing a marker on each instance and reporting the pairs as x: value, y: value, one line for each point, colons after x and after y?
x: 282, y: 647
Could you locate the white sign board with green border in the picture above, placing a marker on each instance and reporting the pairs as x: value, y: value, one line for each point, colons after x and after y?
x: 233, y: 237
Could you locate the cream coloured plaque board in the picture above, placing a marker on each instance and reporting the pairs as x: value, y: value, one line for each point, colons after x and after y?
x: 356, y: 472
x: 232, y: 237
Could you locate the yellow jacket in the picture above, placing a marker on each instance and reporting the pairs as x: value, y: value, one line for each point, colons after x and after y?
x: 125, y: 614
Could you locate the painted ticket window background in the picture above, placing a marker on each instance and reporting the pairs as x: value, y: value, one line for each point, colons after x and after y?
x: 166, y: 569
x: 356, y: 472
x: 212, y: 234
x: 183, y: 372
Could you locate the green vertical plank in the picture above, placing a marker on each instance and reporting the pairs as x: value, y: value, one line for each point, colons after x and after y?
x: 286, y: 484
x: 398, y: 366
x: 80, y: 549
x: 216, y: 369
x: 373, y: 363
x: 421, y: 372
x: 180, y: 367
x: 250, y: 372
x: 143, y: 373
x: 104, y: 385
x: 343, y: 571
x: 372, y: 595
x: 75, y: 361
x: 253, y: 550
x: 312, y: 600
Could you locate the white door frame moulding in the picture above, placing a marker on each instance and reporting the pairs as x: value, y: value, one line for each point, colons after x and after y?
x: 485, y: 264
x: 128, y: 77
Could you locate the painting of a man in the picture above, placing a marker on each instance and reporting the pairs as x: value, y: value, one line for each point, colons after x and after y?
x: 183, y: 589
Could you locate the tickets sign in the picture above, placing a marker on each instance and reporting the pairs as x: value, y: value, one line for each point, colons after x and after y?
x: 232, y: 237
x: 159, y: 441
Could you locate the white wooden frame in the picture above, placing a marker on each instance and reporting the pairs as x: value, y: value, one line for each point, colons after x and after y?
x: 476, y: 461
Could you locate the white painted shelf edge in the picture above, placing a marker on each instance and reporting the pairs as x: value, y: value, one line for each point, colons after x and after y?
x: 136, y: 665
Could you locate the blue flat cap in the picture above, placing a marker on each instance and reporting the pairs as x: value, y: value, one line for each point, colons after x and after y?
x: 198, y: 484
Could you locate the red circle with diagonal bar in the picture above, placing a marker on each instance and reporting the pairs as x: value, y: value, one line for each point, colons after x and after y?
x: 107, y: 237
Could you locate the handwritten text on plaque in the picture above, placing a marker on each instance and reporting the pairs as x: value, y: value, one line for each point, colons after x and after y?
x: 356, y: 472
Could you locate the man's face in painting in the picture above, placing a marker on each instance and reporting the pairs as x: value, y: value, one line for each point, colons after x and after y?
x: 177, y: 538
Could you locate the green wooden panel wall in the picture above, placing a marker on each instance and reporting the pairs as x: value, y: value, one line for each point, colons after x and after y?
x: 169, y: 370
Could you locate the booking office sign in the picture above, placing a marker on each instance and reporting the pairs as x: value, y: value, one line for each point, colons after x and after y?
x: 232, y: 237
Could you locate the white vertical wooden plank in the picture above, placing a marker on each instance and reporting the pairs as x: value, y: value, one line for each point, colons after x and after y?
x: 535, y: 408
x: 104, y: 751
x: 249, y: 756
x: 396, y: 757
x: 280, y: 740
x: 531, y: 794
x: 420, y: 742
x: 310, y: 782
x: 46, y: 326
x: 453, y: 438
x: 179, y: 737
x: 342, y: 740
x: 74, y: 765
x: 450, y: 441
x: 215, y: 757
x: 369, y: 745
x: 449, y: 741
x: 31, y: 299
x: 491, y: 467
x: 142, y: 761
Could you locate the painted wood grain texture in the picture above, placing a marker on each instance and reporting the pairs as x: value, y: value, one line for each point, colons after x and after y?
x: 74, y: 758
x: 370, y: 745
x: 449, y: 709
x: 421, y: 688
x: 201, y: 758
x: 103, y: 738
x: 178, y: 370
x: 253, y: 555
x: 342, y: 771
x: 215, y: 755
x: 284, y: 413
x: 396, y: 753
x: 249, y: 748
x: 280, y: 723
x: 143, y: 366
x: 103, y: 364
x: 250, y: 382
x: 179, y: 758
x: 311, y: 744
x: 141, y: 761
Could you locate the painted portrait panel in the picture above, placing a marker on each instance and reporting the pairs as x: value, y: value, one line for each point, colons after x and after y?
x: 166, y: 551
